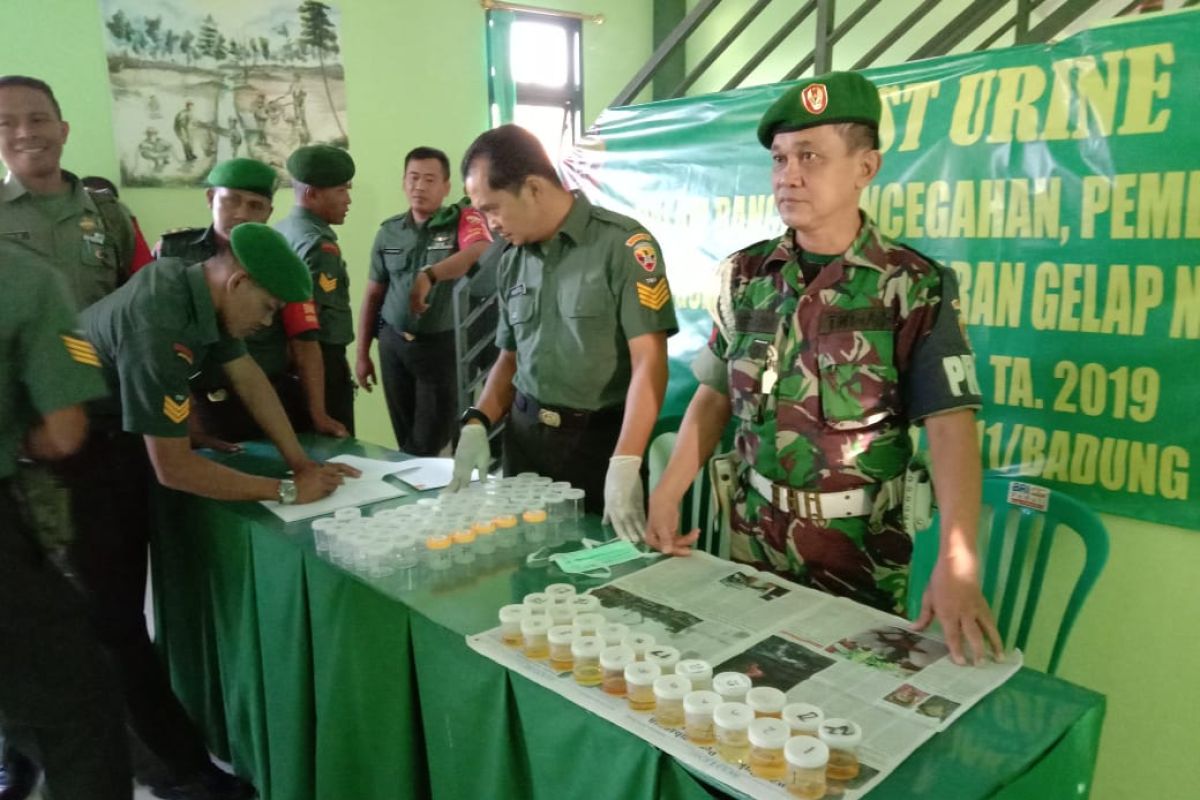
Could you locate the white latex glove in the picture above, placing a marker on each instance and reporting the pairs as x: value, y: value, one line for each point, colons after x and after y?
x: 624, y: 498
x: 473, y: 453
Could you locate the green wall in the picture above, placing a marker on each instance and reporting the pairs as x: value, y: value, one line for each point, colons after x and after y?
x: 1134, y: 640
x: 415, y: 74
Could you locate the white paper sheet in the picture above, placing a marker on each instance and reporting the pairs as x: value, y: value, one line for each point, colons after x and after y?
x: 424, y: 474
x: 373, y: 468
x: 370, y: 488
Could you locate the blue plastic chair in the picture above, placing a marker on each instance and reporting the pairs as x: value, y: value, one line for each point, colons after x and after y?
x: 1013, y: 537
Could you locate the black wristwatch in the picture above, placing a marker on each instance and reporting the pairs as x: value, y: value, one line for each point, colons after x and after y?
x: 429, y: 274
x: 474, y: 413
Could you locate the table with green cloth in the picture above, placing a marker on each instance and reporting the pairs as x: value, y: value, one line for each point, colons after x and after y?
x: 318, y: 683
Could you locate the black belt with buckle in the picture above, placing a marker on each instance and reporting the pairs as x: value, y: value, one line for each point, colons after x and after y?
x: 570, y: 418
x: 435, y: 337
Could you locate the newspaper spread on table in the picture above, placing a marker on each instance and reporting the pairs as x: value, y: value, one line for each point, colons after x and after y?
x: 851, y: 661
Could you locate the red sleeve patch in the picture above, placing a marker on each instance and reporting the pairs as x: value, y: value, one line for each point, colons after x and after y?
x: 330, y: 247
x: 299, y: 318
x: 141, y: 251
x: 472, y: 228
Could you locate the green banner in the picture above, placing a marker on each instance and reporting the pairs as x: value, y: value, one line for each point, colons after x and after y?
x: 1058, y: 181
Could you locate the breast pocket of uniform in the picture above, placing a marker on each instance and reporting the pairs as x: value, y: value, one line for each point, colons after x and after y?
x: 858, y: 377
x: 588, y: 309
x: 99, y: 263
x: 99, y: 256
x: 748, y: 357
x: 520, y: 308
x: 438, y: 251
x: 393, y: 261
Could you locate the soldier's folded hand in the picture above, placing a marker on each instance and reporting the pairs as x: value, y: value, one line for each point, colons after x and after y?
x: 662, y: 526
x: 328, y: 426
x: 364, y: 370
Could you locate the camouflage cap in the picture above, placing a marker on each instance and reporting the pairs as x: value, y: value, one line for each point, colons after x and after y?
x: 271, y: 261
x: 824, y: 100
x: 247, y: 174
x: 321, y: 165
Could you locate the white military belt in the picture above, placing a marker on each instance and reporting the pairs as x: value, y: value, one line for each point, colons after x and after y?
x: 820, y: 505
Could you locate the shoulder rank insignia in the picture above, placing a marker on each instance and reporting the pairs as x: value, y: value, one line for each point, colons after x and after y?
x: 653, y: 297
x: 80, y: 350
x: 183, y: 352
x: 176, y: 410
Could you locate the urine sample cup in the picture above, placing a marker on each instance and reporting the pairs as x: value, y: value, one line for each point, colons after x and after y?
x: 843, y: 738
x: 560, y: 638
x: 698, y: 707
x: 732, y: 686
x: 639, y: 684
x: 669, y: 691
x: 613, y: 660
x: 803, y: 719
x: 697, y: 671
x: 768, y: 736
x: 731, y: 727
x: 585, y: 653
x: 767, y: 701
x: 807, y: 761
x: 510, y: 624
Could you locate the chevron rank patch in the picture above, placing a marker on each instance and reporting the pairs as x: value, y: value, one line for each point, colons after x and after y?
x: 80, y: 350
x: 327, y: 282
x: 653, y: 295
x: 183, y: 352
x: 176, y: 410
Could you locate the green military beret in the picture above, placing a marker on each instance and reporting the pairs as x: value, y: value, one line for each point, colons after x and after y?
x: 824, y: 100
x: 321, y: 165
x: 271, y: 261
x: 247, y: 174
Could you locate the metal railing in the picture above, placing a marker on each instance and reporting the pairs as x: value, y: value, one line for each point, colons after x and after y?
x: 976, y: 15
x: 476, y: 308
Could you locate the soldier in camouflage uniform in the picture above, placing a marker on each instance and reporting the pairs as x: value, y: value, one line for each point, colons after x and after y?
x: 828, y: 342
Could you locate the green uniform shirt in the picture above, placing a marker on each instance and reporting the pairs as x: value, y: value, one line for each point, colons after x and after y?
x: 45, y: 363
x: 825, y: 376
x: 402, y: 248
x: 570, y: 305
x: 268, y: 346
x: 89, y: 246
x: 315, y: 242
x: 152, y: 336
x: 189, y: 244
